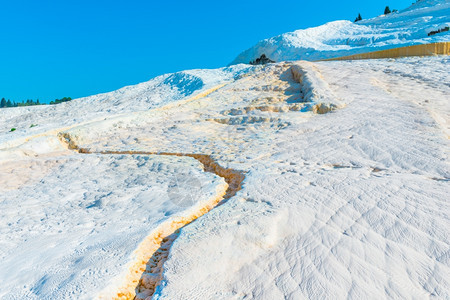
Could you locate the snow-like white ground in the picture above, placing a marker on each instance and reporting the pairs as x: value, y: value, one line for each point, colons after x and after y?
x: 347, y: 204
x: 352, y: 203
x: 155, y: 93
x: 340, y: 38
x: 71, y: 222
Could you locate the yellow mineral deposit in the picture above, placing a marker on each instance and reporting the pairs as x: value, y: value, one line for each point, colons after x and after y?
x: 144, y: 272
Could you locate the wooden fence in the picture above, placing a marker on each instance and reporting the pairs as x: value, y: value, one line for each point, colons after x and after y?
x: 416, y: 50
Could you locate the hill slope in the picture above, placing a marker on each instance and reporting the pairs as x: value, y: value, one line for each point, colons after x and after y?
x: 340, y: 38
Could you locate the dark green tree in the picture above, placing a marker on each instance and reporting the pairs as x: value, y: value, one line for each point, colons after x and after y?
x: 9, y: 103
x: 358, y: 18
x: 387, y: 10
x: 3, y: 102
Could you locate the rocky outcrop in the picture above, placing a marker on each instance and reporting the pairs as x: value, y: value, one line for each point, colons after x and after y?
x: 262, y: 60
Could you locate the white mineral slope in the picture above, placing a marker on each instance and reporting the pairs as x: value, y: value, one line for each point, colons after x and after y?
x: 70, y: 223
x: 350, y: 204
x: 340, y: 38
x: 154, y: 93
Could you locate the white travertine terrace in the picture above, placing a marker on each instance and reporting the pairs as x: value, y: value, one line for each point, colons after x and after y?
x: 346, y: 180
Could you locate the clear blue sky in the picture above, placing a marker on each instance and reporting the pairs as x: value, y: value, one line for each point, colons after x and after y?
x: 52, y: 49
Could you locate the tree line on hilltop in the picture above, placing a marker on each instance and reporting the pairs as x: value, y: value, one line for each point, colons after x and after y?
x: 8, y: 103
x: 387, y: 11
